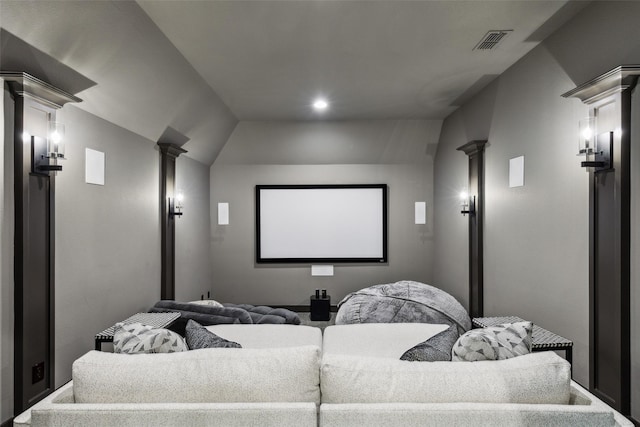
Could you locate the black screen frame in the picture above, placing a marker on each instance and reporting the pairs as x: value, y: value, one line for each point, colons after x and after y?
x: 325, y: 260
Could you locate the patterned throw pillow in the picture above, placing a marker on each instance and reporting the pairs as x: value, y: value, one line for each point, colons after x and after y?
x: 136, y: 338
x: 436, y: 348
x: 494, y: 343
x: 200, y: 337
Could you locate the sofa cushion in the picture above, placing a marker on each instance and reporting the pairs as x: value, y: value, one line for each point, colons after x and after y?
x: 533, y: 378
x: 494, y: 343
x: 135, y: 338
x: 207, y: 375
x: 197, y: 336
x: 436, y: 348
x: 377, y: 339
x: 269, y: 336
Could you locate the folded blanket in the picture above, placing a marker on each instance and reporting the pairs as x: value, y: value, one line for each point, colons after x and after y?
x: 230, y: 313
x: 264, y: 314
x: 403, y: 302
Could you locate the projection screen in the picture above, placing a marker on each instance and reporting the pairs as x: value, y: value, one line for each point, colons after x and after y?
x: 321, y: 223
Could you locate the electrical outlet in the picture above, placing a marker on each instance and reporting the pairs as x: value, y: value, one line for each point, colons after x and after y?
x: 37, y: 372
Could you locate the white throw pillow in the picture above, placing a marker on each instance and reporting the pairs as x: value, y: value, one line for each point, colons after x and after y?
x: 207, y: 302
x: 136, y: 338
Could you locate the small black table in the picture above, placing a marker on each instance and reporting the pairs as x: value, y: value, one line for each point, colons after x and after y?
x: 320, y: 307
x: 542, y: 339
x: 157, y: 320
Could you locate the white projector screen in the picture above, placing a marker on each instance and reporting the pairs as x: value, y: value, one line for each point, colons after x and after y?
x: 321, y: 223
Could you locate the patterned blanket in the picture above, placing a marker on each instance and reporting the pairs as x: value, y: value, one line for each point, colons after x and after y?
x: 403, y: 302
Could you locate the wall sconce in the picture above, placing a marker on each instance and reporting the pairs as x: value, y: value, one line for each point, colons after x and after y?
x: 468, y: 203
x: 175, y: 205
x: 596, y: 148
x: 45, y: 153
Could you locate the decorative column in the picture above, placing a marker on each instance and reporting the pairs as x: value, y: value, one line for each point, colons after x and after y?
x: 608, y: 152
x: 35, y: 105
x: 168, y: 155
x: 475, y: 151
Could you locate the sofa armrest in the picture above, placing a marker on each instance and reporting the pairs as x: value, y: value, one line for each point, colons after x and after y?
x: 62, y: 395
x: 463, y: 414
x: 173, y: 414
x: 579, y: 394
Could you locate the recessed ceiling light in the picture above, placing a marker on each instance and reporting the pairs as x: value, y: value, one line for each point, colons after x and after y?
x: 320, y: 104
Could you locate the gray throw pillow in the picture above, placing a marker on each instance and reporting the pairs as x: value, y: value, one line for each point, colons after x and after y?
x: 198, y: 336
x: 494, y: 343
x: 436, y: 348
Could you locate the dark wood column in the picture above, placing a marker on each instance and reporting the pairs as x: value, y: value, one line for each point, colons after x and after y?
x: 35, y: 105
x: 475, y: 151
x: 168, y: 155
x: 609, y: 100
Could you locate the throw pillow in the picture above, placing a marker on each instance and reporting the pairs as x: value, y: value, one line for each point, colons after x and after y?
x: 494, y: 343
x: 200, y: 337
x: 207, y: 302
x: 436, y: 348
x: 136, y: 338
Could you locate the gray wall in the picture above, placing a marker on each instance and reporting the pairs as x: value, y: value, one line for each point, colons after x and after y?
x: 394, y: 152
x: 536, y: 236
x: 107, y: 237
x: 193, y: 246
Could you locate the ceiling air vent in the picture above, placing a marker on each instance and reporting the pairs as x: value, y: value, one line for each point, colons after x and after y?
x: 491, y: 39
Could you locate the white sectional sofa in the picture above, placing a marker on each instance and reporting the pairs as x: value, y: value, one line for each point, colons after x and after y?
x: 289, y: 375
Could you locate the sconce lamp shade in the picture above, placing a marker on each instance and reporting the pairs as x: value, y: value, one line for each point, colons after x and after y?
x: 586, y: 135
x: 468, y: 203
x: 55, y: 140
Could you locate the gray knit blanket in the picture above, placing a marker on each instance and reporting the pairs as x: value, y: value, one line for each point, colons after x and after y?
x: 230, y: 313
x: 403, y: 302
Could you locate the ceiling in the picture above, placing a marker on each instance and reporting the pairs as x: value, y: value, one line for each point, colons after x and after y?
x: 188, y: 71
x: 267, y: 60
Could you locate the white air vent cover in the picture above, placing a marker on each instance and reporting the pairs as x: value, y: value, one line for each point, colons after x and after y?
x: 491, y: 39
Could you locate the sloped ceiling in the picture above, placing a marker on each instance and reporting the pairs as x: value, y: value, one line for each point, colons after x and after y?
x: 189, y: 70
x: 138, y: 79
x: 371, y: 59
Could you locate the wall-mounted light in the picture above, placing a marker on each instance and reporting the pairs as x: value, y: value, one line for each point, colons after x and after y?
x: 175, y: 205
x: 47, y: 152
x: 468, y: 203
x: 597, y: 148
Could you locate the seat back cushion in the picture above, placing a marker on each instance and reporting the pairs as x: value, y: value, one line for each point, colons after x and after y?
x: 269, y: 336
x: 206, y: 375
x: 390, y: 340
x: 533, y: 378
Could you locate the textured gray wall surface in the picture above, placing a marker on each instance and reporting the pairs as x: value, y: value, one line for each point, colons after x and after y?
x: 107, y: 237
x: 295, y: 153
x: 193, y: 246
x: 536, y: 236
